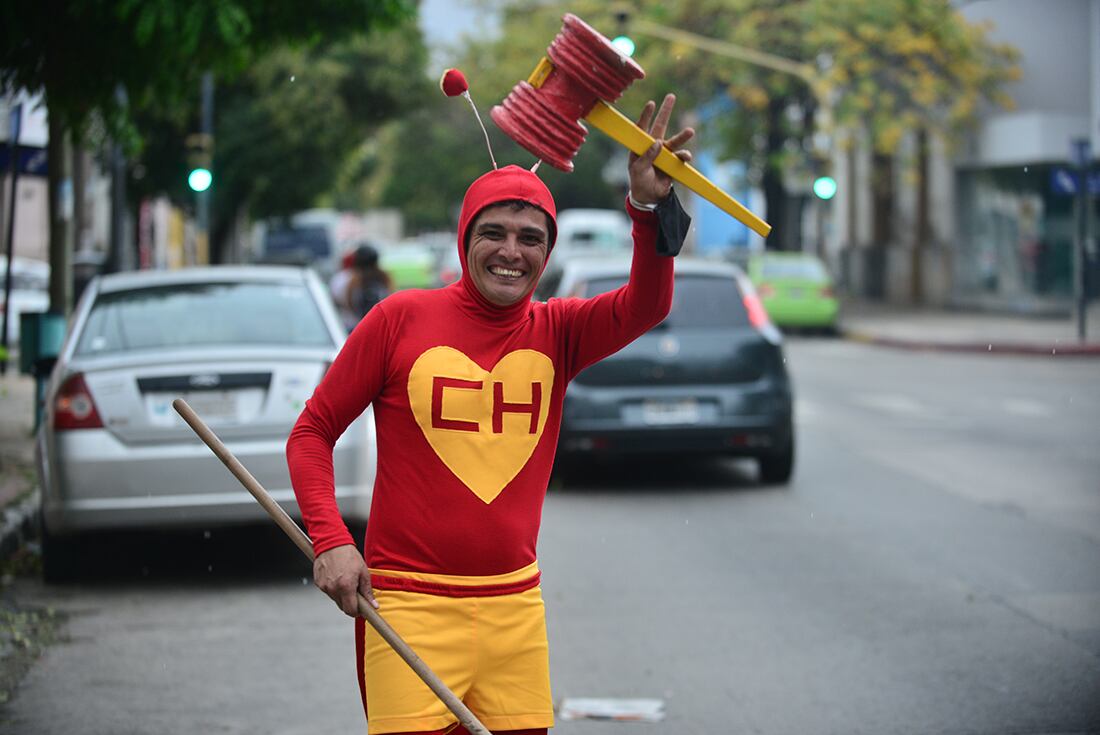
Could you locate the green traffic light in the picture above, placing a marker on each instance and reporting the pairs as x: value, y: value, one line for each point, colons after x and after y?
x: 624, y: 44
x: 825, y: 187
x: 200, y: 179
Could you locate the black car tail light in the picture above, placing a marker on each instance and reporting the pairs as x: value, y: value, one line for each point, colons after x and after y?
x: 73, y: 406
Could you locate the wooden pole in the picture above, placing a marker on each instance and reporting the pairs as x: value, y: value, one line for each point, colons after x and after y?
x: 298, y: 536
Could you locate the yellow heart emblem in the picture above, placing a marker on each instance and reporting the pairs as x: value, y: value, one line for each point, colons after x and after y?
x: 483, y: 424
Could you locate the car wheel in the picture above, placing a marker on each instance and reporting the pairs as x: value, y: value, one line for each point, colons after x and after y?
x: 776, y: 468
x: 60, y: 557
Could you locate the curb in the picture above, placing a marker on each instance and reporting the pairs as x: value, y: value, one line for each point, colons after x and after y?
x: 1057, y: 349
x: 19, y: 524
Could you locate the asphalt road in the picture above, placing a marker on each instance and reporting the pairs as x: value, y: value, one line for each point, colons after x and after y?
x: 934, y: 567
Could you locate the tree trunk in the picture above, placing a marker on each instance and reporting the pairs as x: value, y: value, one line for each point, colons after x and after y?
x: 852, y: 210
x: 924, y: 230
x: 882, y: 211
x: 59, y: 178
x: 775, y: 194
x: 882, y: 196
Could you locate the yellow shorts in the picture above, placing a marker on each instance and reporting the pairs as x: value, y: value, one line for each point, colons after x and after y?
x: 490, y: 650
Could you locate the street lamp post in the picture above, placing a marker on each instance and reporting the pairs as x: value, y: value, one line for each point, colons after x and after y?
x: 16, y: 121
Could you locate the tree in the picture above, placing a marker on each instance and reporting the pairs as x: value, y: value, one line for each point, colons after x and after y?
x: 883, y: 67
x: 449, y: 143
x: 773, y: 120
x: 111, y: 59
x: 286, y: 128
x: 908, y: 66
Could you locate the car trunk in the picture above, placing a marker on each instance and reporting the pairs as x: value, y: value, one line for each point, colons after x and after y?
x: 258, y: 395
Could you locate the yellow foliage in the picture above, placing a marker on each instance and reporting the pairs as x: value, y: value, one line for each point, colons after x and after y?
x: 752, y: 97
x: 889, y: 135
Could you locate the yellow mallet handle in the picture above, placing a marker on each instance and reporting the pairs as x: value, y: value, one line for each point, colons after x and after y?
x: 623, y: 130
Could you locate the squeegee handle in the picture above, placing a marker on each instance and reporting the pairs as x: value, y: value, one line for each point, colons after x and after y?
x: 301, y: 540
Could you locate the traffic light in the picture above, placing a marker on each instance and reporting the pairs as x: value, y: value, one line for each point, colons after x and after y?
x: 623, y: 42
x: 825, y: 187
x: 199, y: 157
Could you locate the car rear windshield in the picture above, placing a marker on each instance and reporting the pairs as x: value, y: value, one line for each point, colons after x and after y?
x: 204, y: 314
x: 809, y: 270
x: 304, y: 242
x: 698, y: 301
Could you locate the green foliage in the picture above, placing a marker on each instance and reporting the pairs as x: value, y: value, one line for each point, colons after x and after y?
x: 286, y: 129
x: 902, y: 65
x: 286, y: 132
x: 81, y: 51
x: 426, y: 162
x: 25, y: 632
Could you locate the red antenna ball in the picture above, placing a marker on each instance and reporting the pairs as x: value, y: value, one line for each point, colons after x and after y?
x: 453, y: 83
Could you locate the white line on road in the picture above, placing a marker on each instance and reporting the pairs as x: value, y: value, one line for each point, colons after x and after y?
x: 1026, y: 407
x: 895, y: 403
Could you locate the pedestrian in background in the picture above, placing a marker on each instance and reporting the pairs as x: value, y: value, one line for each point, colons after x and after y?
x: 338, y: 288
x: 368, y: 284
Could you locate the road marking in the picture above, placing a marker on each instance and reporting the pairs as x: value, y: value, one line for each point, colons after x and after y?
x: 1026, y: 407
x: 618, y: 710
x: 895, y: 403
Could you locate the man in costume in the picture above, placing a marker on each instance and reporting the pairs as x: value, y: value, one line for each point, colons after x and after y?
x: 467, y: 384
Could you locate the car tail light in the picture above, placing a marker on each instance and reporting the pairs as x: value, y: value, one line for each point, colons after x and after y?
x: 758, y: 315
x: 827, y: 292
x: 73, y: 407
x: 766, y: 290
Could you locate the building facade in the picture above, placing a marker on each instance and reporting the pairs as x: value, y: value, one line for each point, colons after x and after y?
x: 1003, y: 210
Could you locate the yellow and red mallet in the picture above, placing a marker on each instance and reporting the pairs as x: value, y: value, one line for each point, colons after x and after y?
x: 578, y: 79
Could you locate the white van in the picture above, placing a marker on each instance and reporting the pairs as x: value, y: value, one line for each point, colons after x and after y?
x: 592, y: 232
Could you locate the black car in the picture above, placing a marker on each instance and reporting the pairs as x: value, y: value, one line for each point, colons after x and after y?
x: 709, y: 379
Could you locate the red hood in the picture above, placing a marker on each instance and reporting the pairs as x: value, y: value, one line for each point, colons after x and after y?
x: 502, y: 185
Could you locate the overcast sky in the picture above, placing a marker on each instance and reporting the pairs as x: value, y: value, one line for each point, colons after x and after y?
x: 444, y: 23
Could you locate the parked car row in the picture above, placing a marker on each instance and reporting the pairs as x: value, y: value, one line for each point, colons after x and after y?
x: 245, y: 346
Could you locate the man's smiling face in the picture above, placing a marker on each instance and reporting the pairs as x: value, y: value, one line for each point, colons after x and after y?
x: 507, y: 251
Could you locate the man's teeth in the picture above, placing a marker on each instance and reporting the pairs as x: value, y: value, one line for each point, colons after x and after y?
x: 497, y: 270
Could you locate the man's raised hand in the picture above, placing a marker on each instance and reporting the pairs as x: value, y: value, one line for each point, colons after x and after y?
x: 648, y: 184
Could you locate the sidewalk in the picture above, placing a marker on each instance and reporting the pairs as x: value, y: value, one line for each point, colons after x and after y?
x: 903, y: 327
x: 18, y: 482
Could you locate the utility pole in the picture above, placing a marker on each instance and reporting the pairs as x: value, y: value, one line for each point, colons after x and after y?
x: 118, y: 257
x: 1081, y: 155
x: 13, y: 145
x: 206, y: 129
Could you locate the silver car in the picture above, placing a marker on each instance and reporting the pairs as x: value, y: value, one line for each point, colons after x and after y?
x: 244, y: 346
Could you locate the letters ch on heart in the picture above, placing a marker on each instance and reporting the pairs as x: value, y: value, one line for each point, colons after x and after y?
x: 500, y: 406
x: 483, y: 424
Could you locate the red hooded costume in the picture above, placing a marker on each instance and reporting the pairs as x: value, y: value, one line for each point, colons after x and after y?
x: 467, y: 399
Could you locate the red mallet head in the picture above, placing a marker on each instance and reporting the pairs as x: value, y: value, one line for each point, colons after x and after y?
x: 453, y: 83
x: 583, y: 68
